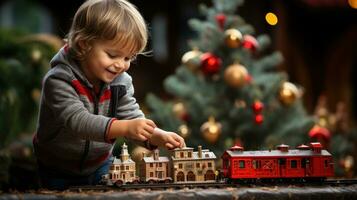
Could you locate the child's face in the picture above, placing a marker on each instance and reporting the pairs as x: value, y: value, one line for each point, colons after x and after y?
x: 105, y: 61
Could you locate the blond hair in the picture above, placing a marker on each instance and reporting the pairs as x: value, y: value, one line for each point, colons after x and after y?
x: 117, y: 20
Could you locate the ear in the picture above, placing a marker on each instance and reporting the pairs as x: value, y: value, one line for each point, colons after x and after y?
x: 82, y: 44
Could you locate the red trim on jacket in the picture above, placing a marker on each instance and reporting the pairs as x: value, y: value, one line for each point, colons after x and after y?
x: 66, y: 48
x: 82, y: 90
x: 106, y: 95
x: 106, y: 139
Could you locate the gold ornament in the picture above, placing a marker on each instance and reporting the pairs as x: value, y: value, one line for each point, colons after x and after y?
x: 288, y: 93
x: 240, y: 103
x: 36, y: 55
x: 233, y: 38
x: 235, y: 75
x: 184, y: 131
x: 36, y: 94
x: 192, y: 59
x: 211, y: 130
x: 179, y: 110
x: 138, y: 153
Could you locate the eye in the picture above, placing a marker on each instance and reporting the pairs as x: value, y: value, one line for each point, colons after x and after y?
x: 111, y: 55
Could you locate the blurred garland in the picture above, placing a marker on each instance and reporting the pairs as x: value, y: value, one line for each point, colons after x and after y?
x: 24, y: 59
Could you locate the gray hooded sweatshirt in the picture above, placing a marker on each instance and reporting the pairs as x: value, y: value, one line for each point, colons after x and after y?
x: 74, y: 121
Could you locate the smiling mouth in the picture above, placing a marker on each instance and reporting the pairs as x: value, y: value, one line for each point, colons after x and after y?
x: 114, y: 73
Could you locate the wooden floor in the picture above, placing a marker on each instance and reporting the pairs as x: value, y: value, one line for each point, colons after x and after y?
x: 243, y: 193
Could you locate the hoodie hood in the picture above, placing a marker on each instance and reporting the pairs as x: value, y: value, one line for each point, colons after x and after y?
x: 64, y: 58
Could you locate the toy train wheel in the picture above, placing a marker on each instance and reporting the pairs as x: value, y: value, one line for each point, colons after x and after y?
x: 119, y: 183
x: 135, y: 182
x: 167, y: 181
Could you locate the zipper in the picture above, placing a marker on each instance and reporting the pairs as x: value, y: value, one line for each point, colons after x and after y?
x: 87, y: 144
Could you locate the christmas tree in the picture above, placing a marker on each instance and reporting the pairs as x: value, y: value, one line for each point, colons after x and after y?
x: 24, y: 60
x: 228, y: 89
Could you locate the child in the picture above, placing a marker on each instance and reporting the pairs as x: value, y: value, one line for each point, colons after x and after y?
x: 87, y: 97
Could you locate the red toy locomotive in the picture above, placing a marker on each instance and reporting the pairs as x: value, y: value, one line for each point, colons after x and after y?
x: 303, y: 163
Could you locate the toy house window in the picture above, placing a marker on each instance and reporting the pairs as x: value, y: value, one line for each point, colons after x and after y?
x: 151, y: 165
x: 206, y: 155
x: 209, y: 164
x: 112, y: 167
x: 326, y: 163
x: 180, y: 166
x: 151, y: 174
x: 197, y: 165
x: 132, y: 174
x: 160, y: 164
x: 189, y: 154
x: 181, y: 155
x: 126, y: 167
x: 117, y: 168
x: 241, y: 164
x: 293, y: 164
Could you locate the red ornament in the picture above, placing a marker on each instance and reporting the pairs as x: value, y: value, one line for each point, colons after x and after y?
x: 318, y: 132
x: 248, y: 79
x: 250, y: 43
x: 259, y: 119
x: 221, y: 20
x: 257, y: 107
x: 210, y: 63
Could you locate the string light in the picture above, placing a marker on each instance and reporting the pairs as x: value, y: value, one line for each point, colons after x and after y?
x: 271, y: 18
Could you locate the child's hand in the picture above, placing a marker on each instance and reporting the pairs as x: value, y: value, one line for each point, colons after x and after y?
x: 140, y: 129
x: 170, y: 140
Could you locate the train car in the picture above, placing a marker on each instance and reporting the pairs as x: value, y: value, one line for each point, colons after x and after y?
x: 122, y: 171
x: 304, y: 163
x: 155, y: 168
x: 193, y: 166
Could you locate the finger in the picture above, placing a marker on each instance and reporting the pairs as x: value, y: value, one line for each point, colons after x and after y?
x: 149, y: 129
x: 169, y: 146
x: 172, y: 141
x: 140, y: 138
x: 145, y: 134
x: 151, y: 123
x: 180, y: 140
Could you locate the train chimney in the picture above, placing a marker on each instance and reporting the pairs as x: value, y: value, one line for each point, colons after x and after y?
x: 283, y: 148
x: 199, y: 151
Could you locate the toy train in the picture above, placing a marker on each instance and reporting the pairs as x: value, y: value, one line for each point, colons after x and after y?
x: 188, y: 166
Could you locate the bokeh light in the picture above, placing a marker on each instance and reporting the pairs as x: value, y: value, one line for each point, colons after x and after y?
x: 271, y: 18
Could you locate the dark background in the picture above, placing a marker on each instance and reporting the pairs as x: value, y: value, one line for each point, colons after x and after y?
x: 316, y: 37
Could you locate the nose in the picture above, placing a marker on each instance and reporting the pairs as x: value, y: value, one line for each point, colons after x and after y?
x: 122, y: 64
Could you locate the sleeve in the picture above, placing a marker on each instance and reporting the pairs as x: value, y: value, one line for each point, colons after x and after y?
x: 65, y: 103
x: 128, y: 108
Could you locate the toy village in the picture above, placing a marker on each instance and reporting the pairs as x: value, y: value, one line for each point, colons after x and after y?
x: 186, y: 166
x: 262, y: 93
